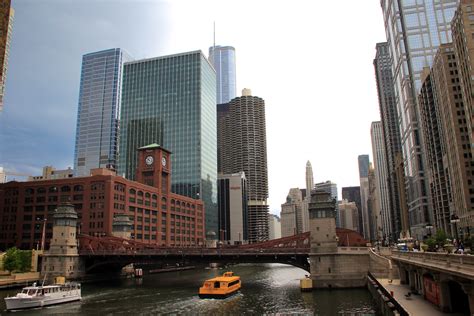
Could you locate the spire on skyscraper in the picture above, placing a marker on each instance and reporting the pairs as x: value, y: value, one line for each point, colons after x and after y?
x: 309, y: 179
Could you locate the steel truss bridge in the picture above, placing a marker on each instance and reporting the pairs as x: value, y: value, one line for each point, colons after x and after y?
x: 112, y: 253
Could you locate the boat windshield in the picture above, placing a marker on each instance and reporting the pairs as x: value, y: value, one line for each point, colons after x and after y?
x: 31, y: 292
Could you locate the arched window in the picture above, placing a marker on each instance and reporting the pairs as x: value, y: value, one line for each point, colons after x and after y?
x: 163, y: 200
x: 147, y: 195
x: 172, y: 201
x: 66, y: 188
x: 132, y: 191
x: 29, y: 191
x: 53, y: 189
x: 154, y: 197
x: 78, y: 188
x: 41, y: 190
x: 140, y: 193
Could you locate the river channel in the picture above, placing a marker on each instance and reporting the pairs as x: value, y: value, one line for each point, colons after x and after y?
x: 266, y: 289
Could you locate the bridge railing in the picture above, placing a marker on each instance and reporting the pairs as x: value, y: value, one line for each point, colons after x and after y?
x: 194, y: 251
x: 364, y: 250
x: 447, y: 260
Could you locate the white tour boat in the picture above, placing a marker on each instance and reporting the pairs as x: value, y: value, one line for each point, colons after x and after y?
x: 38, y: 296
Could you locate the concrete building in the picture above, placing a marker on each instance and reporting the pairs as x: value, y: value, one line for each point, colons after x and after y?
x: 437, y: 177
x: 331, y: 188
x: 274, y: 227
x: 364, y: 194
x: 352, y: 194
x: 3, y: 175
x: 159, y: 216
x: 99, y: 111
x: 6, y: 27
x: 373, y: 207
x: 349, y: 215
x: 390, y: 141
x: 382, y: 182
x: 242, y: 128
x: 292, y: 218
x: 171, y: 100
x: 50, y: 173
x: 307, y: 194
x: 223, y: 60
x: 414, y: 33
x: 233, y: 209
x: 462, y: 30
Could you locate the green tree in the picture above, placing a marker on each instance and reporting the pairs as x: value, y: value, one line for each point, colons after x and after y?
x: 10, y: 261
x: 431, y: 242
x: 441, y: 237
x: 24, y: 260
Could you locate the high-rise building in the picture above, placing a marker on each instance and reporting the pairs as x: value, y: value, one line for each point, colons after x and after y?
x: 463, y: 29
x: 6, y: 25
x: 437, y: 177
x: 99, y: 111
x: 3, y: 175
x: 414, y: 33
x: 171, y: 100
x: 274, y: 227
x: 292, y: 218
x: 364, y: 193
x: 223, y: 60
x: 306, y: 193
x: 381, y: 181
x: 331, y: 188
x: 352, y: 194
x: 232, y: 205
x: 373, y: 208
x: 391, y: 139
x: 348, y: 215
x: 243, y: 129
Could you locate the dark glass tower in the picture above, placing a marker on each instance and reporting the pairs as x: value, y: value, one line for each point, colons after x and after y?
x: 391, y: 133
x: 171, y: 100
x: 98, y: 111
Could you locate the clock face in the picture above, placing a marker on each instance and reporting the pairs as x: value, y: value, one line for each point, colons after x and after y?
x: 163, y: 161
x: 149, y: 160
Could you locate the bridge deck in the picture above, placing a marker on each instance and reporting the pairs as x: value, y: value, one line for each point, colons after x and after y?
x: 459, y: 265
x: 416, y: 305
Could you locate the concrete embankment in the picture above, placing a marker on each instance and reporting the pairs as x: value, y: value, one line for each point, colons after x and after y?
x: 18, y: 279
x: 385, y: 301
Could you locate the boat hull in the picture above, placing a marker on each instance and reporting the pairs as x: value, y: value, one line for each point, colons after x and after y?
x: 218, y: 295
x: 14, y: 303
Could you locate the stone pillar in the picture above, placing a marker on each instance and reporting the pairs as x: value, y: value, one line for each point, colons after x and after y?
x: 62, y: 258
x: 122, y: 226
x: 468, y: 288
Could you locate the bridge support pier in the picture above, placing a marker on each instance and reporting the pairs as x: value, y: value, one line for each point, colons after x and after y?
x: 63, y: 259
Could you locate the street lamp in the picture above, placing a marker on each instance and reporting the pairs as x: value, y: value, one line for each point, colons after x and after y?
x: 455, y: 220
x: 429, y: 226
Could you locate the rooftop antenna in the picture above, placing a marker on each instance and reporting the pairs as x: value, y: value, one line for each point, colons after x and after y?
x: 214, y: 46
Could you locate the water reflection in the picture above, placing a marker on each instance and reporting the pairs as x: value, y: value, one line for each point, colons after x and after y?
x: 266, y: 289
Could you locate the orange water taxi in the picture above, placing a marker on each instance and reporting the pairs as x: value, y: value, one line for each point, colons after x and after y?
x: 220, y: 287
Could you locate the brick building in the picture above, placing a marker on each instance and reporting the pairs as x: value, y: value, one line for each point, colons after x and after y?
x: 158, y: 215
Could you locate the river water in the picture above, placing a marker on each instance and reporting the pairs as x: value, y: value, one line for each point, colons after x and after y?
x: 266, y: 289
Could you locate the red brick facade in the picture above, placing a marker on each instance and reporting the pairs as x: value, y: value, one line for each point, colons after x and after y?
x: 159, y: 216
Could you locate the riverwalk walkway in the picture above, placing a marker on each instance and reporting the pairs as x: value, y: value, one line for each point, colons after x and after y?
x: 416, y: 304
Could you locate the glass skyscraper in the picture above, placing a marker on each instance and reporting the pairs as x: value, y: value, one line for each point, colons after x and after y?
x: 414, y: 30
x: 171, y: 100
x: 223, y: 60
x: 98, y: 111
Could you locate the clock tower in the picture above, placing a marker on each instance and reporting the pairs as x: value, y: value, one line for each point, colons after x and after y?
x: 154, y: 167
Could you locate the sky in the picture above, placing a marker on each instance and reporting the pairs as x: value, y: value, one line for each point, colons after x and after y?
x: 311, y: 61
